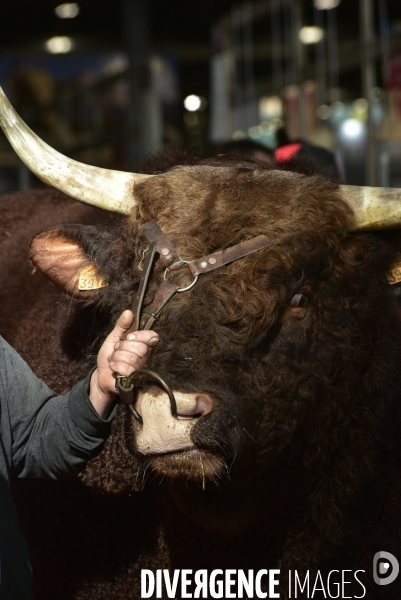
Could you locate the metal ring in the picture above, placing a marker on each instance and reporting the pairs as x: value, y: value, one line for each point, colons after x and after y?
x: 185, y: 289
x: 153, y: 375
x: 191, y: 285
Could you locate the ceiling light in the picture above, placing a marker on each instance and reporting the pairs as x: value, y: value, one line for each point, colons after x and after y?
x: 67, y: 11
x: 194, y: 103
x: 326, y: 4
x: 271, y: 106
x: 352, y: 129
x: 311, y: 35
x: 59, y: 44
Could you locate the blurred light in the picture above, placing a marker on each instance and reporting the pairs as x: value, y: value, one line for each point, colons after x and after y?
x: 311, y: 34
x: 254, y: 132
x: 70, y: 10
x: 271, y: 106
x: 326, y: 4
x: 323, y: 112
x: 361, y: 105
x: 115, y: 65
x: 277, y: 123
x: 266, y: 127
x: 238, y: 135
x: 59, y: 44
x: 352, y: 129
x: 194, y: 103
x: 337, y: 108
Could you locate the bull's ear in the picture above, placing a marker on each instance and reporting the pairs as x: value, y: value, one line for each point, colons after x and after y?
x: 58, y: 254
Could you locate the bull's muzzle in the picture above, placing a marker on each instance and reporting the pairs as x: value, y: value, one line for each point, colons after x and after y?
x: 158, y: 431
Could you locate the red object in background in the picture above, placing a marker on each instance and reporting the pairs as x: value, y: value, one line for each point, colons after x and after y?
x: 393, y: 71
x: 287, y: 152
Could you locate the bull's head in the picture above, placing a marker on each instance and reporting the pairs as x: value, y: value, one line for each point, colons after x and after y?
x: 245, y: 349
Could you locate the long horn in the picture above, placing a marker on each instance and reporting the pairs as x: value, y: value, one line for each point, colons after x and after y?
x: 373, y: 207
x: 110, y: 190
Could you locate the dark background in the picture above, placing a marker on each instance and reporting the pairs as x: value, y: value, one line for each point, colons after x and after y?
x: 99, y: 121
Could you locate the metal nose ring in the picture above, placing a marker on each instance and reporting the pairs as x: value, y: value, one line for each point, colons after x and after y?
x: 160, y: 381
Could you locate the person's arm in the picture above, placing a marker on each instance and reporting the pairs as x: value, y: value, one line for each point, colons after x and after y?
x: 52, y: 436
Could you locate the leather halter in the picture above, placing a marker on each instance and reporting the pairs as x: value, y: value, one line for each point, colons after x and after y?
x: 171, y: 261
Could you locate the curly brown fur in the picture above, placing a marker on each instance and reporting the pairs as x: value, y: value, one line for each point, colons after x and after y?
x: 307, y: 401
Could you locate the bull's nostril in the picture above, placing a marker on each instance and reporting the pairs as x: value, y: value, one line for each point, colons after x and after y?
x: 204, y: 404
x: 188, y: 417
x: 189, y: 406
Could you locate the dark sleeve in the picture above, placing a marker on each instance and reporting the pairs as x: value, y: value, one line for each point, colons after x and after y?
x: 47, y: 435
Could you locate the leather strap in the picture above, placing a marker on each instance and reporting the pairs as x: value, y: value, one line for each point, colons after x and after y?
x: 165, y: 292
x: 138, y: 301
x: 170, y: 260
x: 164, y: 247
x: 169, y: 257
x: 124, y: 384
x: 224, y: 257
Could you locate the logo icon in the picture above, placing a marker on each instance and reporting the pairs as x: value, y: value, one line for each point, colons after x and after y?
x: 385, y: 568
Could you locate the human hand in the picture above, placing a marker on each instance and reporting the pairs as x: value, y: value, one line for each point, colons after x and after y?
x: 118, y: 356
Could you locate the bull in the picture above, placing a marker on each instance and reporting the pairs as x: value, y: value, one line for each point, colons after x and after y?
x: 273, y: 439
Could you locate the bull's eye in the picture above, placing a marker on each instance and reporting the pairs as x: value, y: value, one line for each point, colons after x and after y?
x: 298, y: 301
